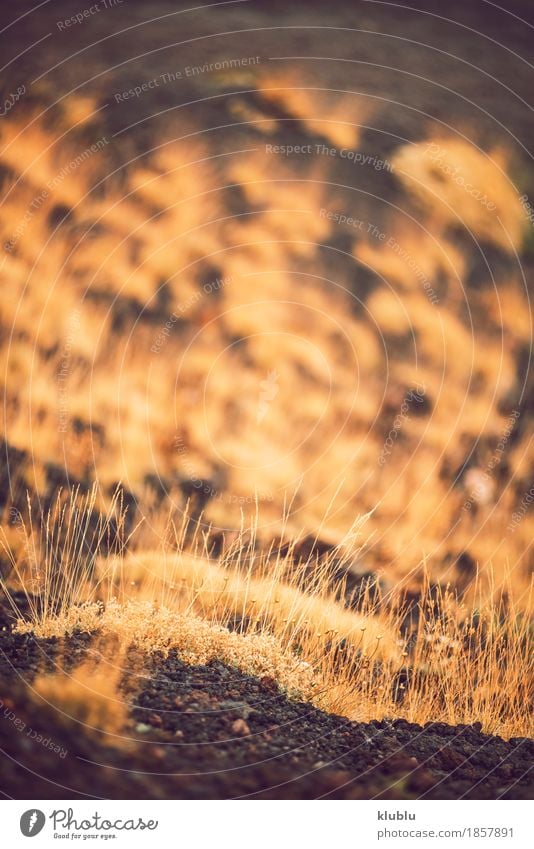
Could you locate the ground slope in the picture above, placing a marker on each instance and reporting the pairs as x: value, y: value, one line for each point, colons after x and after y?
x: 213, y: 732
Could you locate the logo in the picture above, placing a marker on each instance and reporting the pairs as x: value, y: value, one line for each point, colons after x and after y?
x: 32, y: 822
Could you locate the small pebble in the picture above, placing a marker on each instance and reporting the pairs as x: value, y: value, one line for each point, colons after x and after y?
x: 240, y: 728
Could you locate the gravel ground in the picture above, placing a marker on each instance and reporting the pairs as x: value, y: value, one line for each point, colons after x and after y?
x: 212, y: 732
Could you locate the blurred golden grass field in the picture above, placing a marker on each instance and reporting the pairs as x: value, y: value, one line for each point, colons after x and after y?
x: 153, y: 336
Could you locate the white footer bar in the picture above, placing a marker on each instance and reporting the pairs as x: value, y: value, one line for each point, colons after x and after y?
x: 268, y: 824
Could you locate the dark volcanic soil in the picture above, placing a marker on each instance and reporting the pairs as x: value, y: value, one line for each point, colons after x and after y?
x: 213, y: 732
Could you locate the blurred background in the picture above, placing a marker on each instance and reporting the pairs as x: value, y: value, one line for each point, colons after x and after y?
x: 259, y: 257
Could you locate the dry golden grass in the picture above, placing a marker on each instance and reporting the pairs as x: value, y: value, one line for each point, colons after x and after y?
x: 92, y: 296
x: 274, y: 615
x: 151, y: 628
